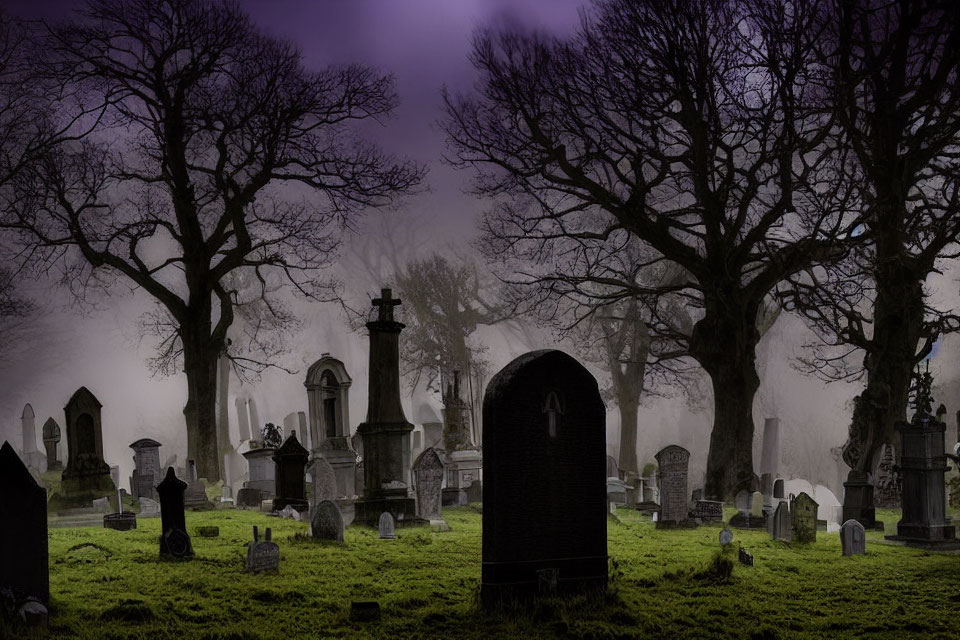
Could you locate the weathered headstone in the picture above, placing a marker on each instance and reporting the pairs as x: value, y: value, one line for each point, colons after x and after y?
x: 146, y: 459
x: 86, y: 476
x: 673, y: 462
x: 31, y: 457
x: 385, y: 432
x: 544, y: 464
x: 262, y: 471
x: 709, y: 510
x: 803, y: 510
x: 745, y: 557
x: 174, y: 540
x: 858, y: 502
x: 923, y: 464
x: 888, y: 483
x: 756, y: 505
x: 853, y: 538
x: 248, y: 497
x: 782, y: 523
x: 428, y: 478
x: 262, y: 555
x: 328, y: 400
x: 386, y: 526
x: 291, y: 459
x: 51, y: 438
x: 726, y: 537
x: 24, y: 557
x: 195, y: 496
x: 742, y: 501
x: 327, y: 521
x: 778, y: 489
x: 324, y: 480
x: 149, y: 508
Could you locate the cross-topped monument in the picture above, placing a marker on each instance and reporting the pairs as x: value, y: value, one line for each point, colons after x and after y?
x: 385, y: 304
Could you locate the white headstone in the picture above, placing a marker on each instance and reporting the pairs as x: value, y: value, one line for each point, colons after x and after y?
x: 386, y: 526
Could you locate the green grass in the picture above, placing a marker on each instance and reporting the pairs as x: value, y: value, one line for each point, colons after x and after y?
x: 664, y: 584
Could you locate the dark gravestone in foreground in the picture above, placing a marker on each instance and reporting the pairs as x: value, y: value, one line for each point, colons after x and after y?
x: 23, y: 530
x: 291, y: 461
x: 174, y: 540
x: 544, y: 479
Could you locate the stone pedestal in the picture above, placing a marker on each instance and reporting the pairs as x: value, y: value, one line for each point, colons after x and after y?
x: 262, y: 471
x: 923, y: 466
x: 858, y: 499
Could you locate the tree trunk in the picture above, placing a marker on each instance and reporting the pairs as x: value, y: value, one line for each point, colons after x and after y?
x: 726, y: 348
x: 898, y: 320
x: 200, y: 365
x: 628, y: 436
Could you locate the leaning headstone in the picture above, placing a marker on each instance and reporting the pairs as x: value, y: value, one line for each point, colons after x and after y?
x: 262, y: 555
x: 673, y: 462
x: 782, y: 523
x: 545, y: 492
x: 803, y: 509
x: 853, y: 538
x: 428, y: 478
x: 174, y: 540
x: 327, y: 522
x: 386, y: 526
x: 24, y: 557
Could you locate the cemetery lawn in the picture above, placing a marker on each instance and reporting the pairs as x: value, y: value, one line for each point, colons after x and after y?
x: 110, y: 584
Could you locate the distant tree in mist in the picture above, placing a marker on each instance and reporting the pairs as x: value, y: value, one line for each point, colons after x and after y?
x: 220, y: 169
x: 697, y: 129
x: 895, y: 70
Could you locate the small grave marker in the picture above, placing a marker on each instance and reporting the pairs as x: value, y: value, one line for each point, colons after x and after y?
x: 262, y: 555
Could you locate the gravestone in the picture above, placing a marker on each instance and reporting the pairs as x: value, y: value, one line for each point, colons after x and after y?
x: 756, y: 505
x: 475, y: 491
x: 385, y: 432
x: 291, y: 459
x: 248, y: 497
x: 803, y: 510
x: 709, y: 510
x: 174, y: 540
x: 853, y: 538
x: 888, y: 483
x: 149, y: 508
x: 782, y: 523
x: 778, y: 489
x: 745, y: 557
x: 324, y: 480
x: 146, y: 475
x: 86, y: 475
x: 923, y: 464
x: 544, y: 472
x: 243, y: 419
x: 428, y: 478
x: 696, y: 496
x: 262, y: 471
x: 858, y: 503
x: 195, y: 496
x: 262, y: 555
x: 386, y: 526
x: 51, y: 438
x: 673, y: 462
x: 328, y: 400
x: 327, y: 521
x: 726, y: 537
x: 745, y: 518
x: 742, y: 501
x: 31, y: 457
x: 24, y: 557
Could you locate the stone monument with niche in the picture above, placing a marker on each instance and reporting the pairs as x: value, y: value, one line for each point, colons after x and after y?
x: 86, y: 476
x: 328, y: 402
x: 385, y: 432
x: 291, y: 460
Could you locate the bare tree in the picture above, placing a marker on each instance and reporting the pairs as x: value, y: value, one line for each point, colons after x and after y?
x: 896, y: 70
x: 219, y: 157
x: 696, y: 128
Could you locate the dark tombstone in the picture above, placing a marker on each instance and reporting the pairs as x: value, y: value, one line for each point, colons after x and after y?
x: 696, y: 496
x: 888, y: 484
x: 174, y: 541
x: 778, y: 489
x: 923, y: 464
x: 249, y: 497
x: 86, y: 476
x: 385, y: 432
x: 708, y: 510
x: 544, y: 478
x: 146, y: 460
x: 475, y: 491
x: 745, y: 557
x: 673, y: 462
x: 803, y: 510
x: 24, y: 558
x: 858, y: 499
x: 291, y: 459
x: 853, y: 538
x: 428, y: 478
x: 262, y: 555
x: 386, y: 526
x: 327, y: 521
x: 782, y: 523
x: 51, y: 438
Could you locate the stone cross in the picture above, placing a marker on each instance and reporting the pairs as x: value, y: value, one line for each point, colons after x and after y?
x: 385, y: 304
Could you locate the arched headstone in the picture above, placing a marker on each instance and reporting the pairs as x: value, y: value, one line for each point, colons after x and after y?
x: 428, y: 478
x: 544, y: 479
x: 853, y: 538
x: 327, y: 521
x: 386, y: 526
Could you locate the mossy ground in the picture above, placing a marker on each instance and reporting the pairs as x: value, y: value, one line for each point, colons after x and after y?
x: 663, y: 584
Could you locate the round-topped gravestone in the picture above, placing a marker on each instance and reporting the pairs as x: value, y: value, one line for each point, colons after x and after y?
x: 726, y: 537
x: 327, y: 522
x: 177, y: 543
x: 386, y: 526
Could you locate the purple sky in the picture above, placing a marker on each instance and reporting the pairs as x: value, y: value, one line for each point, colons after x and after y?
x: 424, y: 43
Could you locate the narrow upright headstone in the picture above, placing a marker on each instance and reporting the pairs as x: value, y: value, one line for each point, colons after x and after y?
x: 853, y: 538
x: 255, y: 425
x: 756, y: 505
x: 803, y: 510
x: 243, y: 419
x: 778, y: 489
x: 304, y: 430
x: 428, y: 478
x: 28, y: 429
x: 146, y: 460
x: 174, y: 540
x: 324, y: 480
x: 51, y: 438
x: 24, y: 558
x: 782, y: 523
x: 327, y: 521
x: 770, y: 455
x: 673, y: 462
x: 291, y: 460
x: 742, y: 501
x: 386, y: 526
x: 544, y: 478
